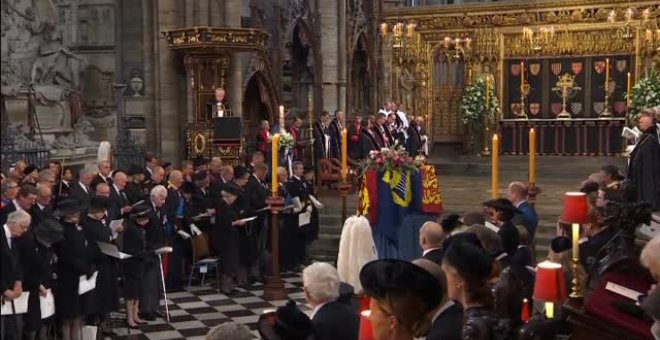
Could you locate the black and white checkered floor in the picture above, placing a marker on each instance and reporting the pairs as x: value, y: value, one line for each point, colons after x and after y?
x: 194, y: 311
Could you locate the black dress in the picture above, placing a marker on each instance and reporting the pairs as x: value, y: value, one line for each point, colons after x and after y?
x: 72, y: 262
x: 134, y: 244
x: 482, y: 324
x: 225, y: 237
x: 107, y: 296
x: 36, y: 261
x: 643, y: 175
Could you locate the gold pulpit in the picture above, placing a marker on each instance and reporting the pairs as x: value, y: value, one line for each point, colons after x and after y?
x: 206, y: 53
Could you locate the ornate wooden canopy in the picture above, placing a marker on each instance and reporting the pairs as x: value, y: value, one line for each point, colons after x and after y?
x: 217, y: 39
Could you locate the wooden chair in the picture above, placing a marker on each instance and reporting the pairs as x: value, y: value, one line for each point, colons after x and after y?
x: 201, y: 259
x: 328, y: 171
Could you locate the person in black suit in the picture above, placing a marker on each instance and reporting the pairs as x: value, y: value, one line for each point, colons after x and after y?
x: 178, y: 236
x: 294, y: 233
x: 256, y: 193
x: 431, y: 236
x: 414, y: 141
x: 73, y: 260
x: 155, y: 239
x: 119, y: 204
x: 133, y: 268
x: 447, y: 320
x: 330, y: 319
x: 9, y: 191
x: 37, y: 261
x: 11, y: 276
x: 42, y: 208
x: 103, y: 176
x: 82, y: 191
x: 94, y: 227
x: 225, y: 237
x: 62, y: 188
x: 151, y: 162
x: 25, y: 199
x: 203, y: 199
x: 368, y: 139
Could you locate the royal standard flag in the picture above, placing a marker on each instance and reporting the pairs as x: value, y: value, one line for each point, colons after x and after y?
x: 399, y: 181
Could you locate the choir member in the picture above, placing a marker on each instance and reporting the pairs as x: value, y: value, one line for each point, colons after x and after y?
x: 134, y: 244
x: 11, y: 276
x: 73, y: 261
x: 354, y: 132
x: 224, y: 237
x: 296, y: 132
x: 322, y: 136
x: 369, y: 140
x: 96, y: 230
x: 336, y: 127
x: 264, y: 138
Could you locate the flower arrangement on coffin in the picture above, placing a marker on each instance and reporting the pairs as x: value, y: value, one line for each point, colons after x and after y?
x: 473, y: 102
x: 644, y: 94
x: 287, y: 142
x: 394, y: 158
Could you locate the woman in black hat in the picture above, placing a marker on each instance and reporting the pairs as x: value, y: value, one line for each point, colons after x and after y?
x: 468, y: 269
x: 286, y: 323
x: 95, y: 229
x: 225, y: 236
x: 501, y: 211
x: 36, y: 262
x: 135, y: 189
x: 134, y: 244
x: 73, y: 255
x: 402, y: 297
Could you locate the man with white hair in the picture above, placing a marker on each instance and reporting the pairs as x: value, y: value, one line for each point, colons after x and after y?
x: 155, y: 239
x: 229, y: 331
x: 330, y: 319
x: 11, y: 284
x: 431, y: 236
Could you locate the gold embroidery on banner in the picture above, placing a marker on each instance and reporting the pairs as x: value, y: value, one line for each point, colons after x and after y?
x: 430, y: 187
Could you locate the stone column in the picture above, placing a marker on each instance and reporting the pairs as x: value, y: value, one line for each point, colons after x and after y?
x: 329, y: 52
x: 235, y: 88
x: 342, y: 53
x: 169, y: 121
x: 149, y: 74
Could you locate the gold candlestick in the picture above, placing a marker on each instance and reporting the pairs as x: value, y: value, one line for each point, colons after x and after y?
x: 606, y: 113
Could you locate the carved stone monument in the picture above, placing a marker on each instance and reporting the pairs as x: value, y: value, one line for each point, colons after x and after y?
x: 41, y: 78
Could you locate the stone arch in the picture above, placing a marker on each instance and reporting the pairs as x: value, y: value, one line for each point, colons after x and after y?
x: 260, y: 102
x: 299, y: 29
x: 359, y: 74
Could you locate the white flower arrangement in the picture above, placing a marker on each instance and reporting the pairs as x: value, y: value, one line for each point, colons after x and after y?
x: 287, y: 142
x: 644, y: 94
x: 473, y: 102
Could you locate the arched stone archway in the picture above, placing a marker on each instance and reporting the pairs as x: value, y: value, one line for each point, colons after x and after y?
x: 259, y: 103
x: 360, y: 91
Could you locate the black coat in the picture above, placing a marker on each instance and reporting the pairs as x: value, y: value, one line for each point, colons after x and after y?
x: 448, y: 325
x: 134, y: 244
x: 225, y: 237
x: 135, y: 192
x: 73, y: 256
x: 320, y: 133
x: 118, y: 200
x: 107, y: 297
x: 414, y: 142
x: 11, y: 268
x: 5, y: 211
x: 39, y: 215
x: 36, y: 264
x: 98, y: 179
x: 154, y: 233
x: 336, y: 321
x: 434, y: 255
x: 643, y: 174
x: 80, y: 195
x: 368, y: 142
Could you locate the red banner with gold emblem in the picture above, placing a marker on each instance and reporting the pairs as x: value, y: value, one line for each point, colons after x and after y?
x: 431, y: 198
x: 368, y: 197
